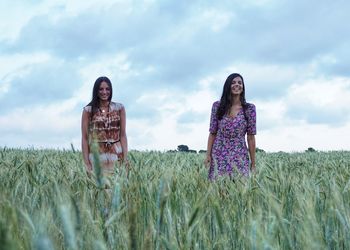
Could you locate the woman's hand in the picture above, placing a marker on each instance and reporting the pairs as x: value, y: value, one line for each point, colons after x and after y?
x: 207, y: 160
x: 211, y: 139
x: 252, y: 166
x: 88, y: 168
x: 126, y: 162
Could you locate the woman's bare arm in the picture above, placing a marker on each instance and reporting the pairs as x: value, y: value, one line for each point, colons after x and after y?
x: 85, y: 140
x: 211, y: 139
x: 123, y: 137
x: 251, y: 148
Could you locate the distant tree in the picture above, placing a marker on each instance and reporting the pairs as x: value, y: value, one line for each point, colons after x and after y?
x: 182, y: 148
x: 192, y: 151
x: 309, y: 150
x: 259, y: 150
x: 171, y: 151
x: 202, y: 151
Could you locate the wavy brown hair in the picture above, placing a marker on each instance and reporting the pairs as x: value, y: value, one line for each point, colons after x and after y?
x: 95, y: 102
x: 226, y: 97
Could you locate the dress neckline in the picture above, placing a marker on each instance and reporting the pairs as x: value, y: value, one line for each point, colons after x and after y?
x: 233, y: 117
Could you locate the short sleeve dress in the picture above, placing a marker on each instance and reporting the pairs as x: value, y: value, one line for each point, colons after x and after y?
x: 229, y: 149
x: 104, y: 129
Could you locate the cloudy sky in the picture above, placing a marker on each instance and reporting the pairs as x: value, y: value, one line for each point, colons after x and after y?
x: 168, y: 61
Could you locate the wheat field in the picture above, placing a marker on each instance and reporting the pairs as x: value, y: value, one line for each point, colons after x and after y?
x: 293, y: 201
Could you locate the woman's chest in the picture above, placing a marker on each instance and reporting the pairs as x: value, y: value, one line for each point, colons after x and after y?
x: 106, y: 120
x: 233, y: 125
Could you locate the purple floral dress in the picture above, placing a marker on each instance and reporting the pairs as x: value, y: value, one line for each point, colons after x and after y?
x: 229, y: 150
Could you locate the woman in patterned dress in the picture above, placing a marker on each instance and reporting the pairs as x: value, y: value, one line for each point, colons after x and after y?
x: 231, y: 119
x: 103, y: 122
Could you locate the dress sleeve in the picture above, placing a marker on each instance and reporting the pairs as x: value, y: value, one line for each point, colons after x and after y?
x: 87, y: 109
x: 251, y: 119
x: 117, y: 106
x: 213, y: 118
x: 121, y: 106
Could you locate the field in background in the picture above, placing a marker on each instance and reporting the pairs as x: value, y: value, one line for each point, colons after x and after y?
x: 294, y: 201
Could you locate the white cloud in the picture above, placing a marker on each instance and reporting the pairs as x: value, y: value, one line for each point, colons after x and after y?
x: 114, y: 66
x: 16, y: 65
x: 270, y: 114
x: 55, y: 118
x: 285, y: 132
x: 49, y: 126
x: 14, y: 62
x: 217, y: 19
x: 168, y: 63
x: 167, y: 133
x: 80, y: 6
x: 323, y: 100
x: 16, y: 13
x: 326, y: 93
x: 4, y: 88
x: 299, y: 137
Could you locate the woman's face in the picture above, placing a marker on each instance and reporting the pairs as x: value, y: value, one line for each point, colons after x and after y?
x: 237, y: 86
x: 104, y: 91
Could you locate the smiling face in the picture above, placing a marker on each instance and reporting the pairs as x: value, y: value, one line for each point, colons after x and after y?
x: 104, y: 92
x: 237, y: 86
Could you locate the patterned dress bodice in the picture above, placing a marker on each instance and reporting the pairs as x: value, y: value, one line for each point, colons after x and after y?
x: 229, y: 150
x: 105, y: 126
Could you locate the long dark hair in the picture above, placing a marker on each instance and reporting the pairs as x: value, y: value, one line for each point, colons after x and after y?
x: 95, y: 102
x: 226, y: 97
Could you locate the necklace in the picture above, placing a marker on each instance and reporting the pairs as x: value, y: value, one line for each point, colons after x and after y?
x: 103, y: 109
x: 106, y: 115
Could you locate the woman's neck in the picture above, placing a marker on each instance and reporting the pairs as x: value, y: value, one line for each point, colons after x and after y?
x: 104, y: 103
x: 236, y: 101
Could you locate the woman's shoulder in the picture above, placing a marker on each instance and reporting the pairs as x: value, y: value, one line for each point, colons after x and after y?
x: 216, y: 104
x: 250, y: 106
x: 87, y: 108
x: 116, y: 106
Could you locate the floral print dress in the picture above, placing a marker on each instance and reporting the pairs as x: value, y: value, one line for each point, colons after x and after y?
x: 104, y: 130
x: 229, y: 149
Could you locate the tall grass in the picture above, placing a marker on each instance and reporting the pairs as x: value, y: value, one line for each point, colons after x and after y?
x: 293, y: 201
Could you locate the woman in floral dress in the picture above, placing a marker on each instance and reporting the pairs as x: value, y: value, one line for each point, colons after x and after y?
x: 103, y: 123
x: 231, y: 119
